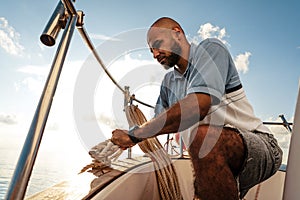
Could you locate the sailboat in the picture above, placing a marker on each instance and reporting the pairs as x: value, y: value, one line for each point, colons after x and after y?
x: 156, y: 175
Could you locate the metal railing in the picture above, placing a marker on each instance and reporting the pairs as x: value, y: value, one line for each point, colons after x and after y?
x: 23, y: 170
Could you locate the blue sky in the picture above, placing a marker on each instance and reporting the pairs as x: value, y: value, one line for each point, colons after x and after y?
x: 262, y: 36
x: 269, y: 31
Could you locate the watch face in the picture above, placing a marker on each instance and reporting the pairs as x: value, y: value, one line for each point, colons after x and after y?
x: 132, y: 129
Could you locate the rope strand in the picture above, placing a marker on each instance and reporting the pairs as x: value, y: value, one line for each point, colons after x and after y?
x: 167, y: 181
x: 89, y: 43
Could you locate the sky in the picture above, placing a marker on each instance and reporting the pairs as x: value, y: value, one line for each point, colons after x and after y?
x: 262, y: 36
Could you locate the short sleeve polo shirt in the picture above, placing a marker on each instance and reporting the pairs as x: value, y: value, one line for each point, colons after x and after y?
x: 211, y: 70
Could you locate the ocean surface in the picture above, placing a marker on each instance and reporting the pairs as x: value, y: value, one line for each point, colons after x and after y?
x: 55, y: 162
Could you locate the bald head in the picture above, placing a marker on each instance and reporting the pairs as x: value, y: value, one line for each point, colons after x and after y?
x: 165, y: 25
x: 166, y: 22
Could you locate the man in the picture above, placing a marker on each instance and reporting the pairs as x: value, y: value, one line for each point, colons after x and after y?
x: 203, y: 98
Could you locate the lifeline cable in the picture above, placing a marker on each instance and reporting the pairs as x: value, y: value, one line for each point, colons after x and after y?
x: 87, y: 40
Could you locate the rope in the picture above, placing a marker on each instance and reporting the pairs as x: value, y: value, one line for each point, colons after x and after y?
x: 90, y: 45
x: 103, y: 154
x: 168, y: 184
x: 257, y: 192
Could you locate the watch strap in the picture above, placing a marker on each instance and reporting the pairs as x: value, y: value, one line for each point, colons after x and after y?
x: 132, y: 136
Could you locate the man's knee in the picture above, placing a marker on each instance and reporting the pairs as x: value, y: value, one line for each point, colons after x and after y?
x: 212, y: 141
x: 216, y: 159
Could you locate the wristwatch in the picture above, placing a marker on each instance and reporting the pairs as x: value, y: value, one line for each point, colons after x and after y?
x: 134, y: 139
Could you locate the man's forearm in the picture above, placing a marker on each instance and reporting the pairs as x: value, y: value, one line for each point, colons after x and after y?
x: 180, y: 116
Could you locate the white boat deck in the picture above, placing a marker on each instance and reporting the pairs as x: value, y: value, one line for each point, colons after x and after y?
x: 87, y: 185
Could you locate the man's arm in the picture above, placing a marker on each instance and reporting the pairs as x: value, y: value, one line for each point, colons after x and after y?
x: 180, y: 116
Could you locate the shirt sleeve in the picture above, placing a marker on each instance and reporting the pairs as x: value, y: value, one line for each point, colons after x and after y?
x: 209, y: 70
x: 162, y: 102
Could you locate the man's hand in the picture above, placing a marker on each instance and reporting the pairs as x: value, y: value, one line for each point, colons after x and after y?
x: 121, y: 138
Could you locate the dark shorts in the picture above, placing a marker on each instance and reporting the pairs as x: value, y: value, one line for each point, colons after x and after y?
x: 263, y: 159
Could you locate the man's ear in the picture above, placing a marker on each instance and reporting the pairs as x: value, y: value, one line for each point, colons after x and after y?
x: 177, y: 33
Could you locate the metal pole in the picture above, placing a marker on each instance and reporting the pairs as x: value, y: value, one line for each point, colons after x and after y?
x: 54, y: 25
x: 181, y: 146
x: 285, y: 123
x: 277, y: 123
x: 127, y: 101
x: 70, y: 7
x: 19, y: 182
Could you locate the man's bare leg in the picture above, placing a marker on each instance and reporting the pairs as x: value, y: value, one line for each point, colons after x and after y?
x: 216, y: 172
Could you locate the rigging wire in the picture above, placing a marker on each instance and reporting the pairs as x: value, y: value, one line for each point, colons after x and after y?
x: 87, y: 40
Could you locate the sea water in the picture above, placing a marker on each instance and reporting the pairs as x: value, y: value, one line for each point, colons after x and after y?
x: 57, y: 160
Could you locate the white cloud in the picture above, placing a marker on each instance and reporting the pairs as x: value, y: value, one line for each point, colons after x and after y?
x: 61, y: 116
x: 9, y: 38
x: 35, y: 79
x: 37, y: 74
x: 210, y: 31
x: 52, y: 126
x: 40, y: 70
x: 8, y: 118
x: 34, y: 85
x: 127, y: 70
x: 42, y: 47
x: 102, y: 37
x: 242, y: 62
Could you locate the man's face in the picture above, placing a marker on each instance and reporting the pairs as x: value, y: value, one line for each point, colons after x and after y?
x: 164, y: 47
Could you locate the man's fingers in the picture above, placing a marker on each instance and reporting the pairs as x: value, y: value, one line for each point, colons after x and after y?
x: 113, y: 141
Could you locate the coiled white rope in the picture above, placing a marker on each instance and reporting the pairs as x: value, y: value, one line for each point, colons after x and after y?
x: 103, y: 154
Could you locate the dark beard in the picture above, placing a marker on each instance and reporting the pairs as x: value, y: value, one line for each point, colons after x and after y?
x: 174, y: 57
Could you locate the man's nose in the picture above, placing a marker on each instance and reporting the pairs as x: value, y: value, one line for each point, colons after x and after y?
x: 155, y: 53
